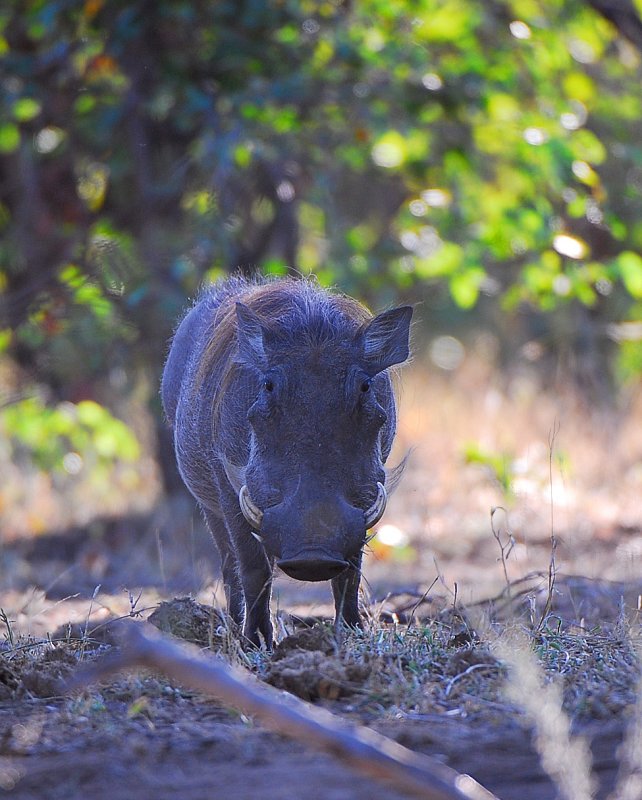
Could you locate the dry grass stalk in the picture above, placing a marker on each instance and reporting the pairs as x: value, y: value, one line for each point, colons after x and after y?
x: 565, y: 759
x: 552, y: 566
x: 505, y: 548
x: 363, y: 749
x: 629, y: 785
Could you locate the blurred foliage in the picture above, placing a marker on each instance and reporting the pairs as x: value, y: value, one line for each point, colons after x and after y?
x: 467, y: 152
x: 499, y: 466
x: 54, y: 437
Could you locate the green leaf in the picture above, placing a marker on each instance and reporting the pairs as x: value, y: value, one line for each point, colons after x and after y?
x: 85, y: 103
x: 464, y: 286
x: 243, y: 155
x: 9, y: 138
x: 587, y: 147
x: 445, y: 22
x: 579, y: 86
x: 362, y: 237
x: 390, y: 150
x: 5, y: 339
x: 500, y: 465
x: 275, y: 266
x: 445, y: 261
x: 26, y: 109
x: 90, y: 413
x: 629, y: 265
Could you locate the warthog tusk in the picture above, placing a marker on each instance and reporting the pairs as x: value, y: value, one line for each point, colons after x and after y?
x: 375, y: 512
x: 258, y: 538
x: 251, y: 512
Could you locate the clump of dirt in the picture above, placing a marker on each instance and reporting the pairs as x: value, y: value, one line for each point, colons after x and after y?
x: 47, y: 675
x: 195, y: 622
x: 475, y: 657
x: 106, y: 633
x: 39, y: 670
x: 309, y: 664
x: 460, y: 628
x: 9, y: 681
x: 318, y: 638
x: 311, y: 675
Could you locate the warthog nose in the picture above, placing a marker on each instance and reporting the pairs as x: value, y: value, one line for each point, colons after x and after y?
x: 312, y: 569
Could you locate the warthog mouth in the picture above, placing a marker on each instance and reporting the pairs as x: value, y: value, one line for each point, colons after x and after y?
x: 309, y: 568
x: 254, y: 515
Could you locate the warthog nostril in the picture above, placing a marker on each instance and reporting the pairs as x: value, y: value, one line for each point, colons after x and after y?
x: 312, y: 569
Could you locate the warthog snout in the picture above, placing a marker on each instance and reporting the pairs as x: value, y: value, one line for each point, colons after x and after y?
x: 313, y: 536
x: 254, y: 515
x: 313, y: 566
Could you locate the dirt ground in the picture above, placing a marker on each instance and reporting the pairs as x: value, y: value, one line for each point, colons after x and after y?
x: 140, y: 735
x: 189, y: 747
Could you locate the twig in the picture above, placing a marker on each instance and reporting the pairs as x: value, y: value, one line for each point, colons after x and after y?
x: 504, y: 549
x: 85, y: 637
x: 460, y: 675
x: 133, y: 602
x: 419, y: 602
x: 161, y: 559
x: 363, y: 749
x: 552, y: 567
x: 7, y: 623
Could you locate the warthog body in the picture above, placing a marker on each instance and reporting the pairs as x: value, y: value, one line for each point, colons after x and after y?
x: 283, y: 415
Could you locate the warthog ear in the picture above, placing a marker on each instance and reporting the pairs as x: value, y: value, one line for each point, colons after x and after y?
x: 250, y: 336
x: 385, y: 340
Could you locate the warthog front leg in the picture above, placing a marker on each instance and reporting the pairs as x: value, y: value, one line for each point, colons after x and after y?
x: 229, y: 566
x: 254, y: 572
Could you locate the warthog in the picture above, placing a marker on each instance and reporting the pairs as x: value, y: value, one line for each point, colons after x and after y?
x: 283, y: 415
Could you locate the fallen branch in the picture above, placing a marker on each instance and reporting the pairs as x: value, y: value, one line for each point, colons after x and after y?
x: 362, y: 748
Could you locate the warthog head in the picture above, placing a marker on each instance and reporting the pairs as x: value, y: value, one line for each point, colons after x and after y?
x: 321, y: 427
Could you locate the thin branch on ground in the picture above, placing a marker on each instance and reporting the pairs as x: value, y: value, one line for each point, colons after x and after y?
x: 363, y: 749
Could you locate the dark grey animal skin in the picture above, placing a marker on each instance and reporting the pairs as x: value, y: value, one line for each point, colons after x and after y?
x: 278, y: 393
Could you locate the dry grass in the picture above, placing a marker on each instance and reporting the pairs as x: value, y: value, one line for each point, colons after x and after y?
x: 629, y: 785
x: 565, y: 758
x: 480, y: 441
x: 495, y: 671
x: 444, y: 664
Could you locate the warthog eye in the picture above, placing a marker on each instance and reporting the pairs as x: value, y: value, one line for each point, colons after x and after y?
x: 365, y: 386
x: 268, y: 385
